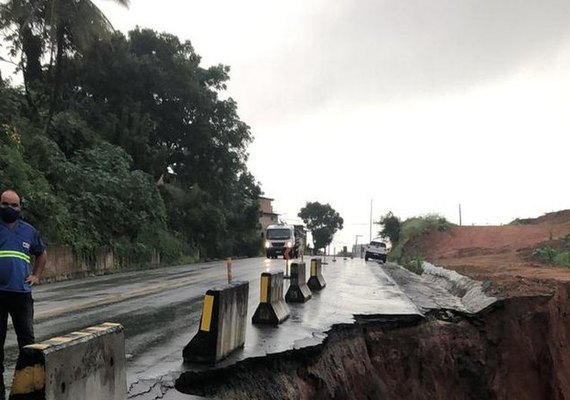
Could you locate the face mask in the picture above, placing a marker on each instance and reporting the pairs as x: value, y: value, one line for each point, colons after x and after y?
x: 9, y: 215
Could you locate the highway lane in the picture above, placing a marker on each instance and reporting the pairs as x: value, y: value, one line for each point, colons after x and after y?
x: 160, y: 309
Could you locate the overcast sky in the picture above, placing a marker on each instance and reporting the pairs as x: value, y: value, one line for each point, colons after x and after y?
x: 417, y: 105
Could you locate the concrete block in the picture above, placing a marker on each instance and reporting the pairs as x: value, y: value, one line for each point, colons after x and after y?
x: 316, y: 281
x: 222, y: 325
x: 272, y: 308
x: 298, y: 291
x: 87, y: 365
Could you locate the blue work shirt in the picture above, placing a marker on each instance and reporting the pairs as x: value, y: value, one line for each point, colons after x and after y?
x: 17, y: 245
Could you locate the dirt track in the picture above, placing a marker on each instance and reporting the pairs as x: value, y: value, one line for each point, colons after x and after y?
x: 501, y: 254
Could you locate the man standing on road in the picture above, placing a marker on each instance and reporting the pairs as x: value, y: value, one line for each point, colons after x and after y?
x: 18, y: 242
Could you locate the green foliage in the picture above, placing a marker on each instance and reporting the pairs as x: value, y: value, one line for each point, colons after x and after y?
x: 36, y: 192
x: 414, y: 265
x: 545, y: 253
x: 109, y: 199
x: 559, y: 255
x: 323, y: 222
x: 419, y: 225
x: 562, y: 258
x: 391, y: 226
x: 71, y: 133
x: 58, y: 28
x: 413, y: 227
x: 151, y: 242
x: 123, y: 142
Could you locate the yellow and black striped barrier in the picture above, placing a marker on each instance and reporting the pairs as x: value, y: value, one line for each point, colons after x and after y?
x: 298, y: 291
x: 272, y: 308
x: 87, y: 364
x: 222, y: 324
x: 316, y: 281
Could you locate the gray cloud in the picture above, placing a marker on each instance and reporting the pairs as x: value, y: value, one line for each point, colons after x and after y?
x: 396, y: 49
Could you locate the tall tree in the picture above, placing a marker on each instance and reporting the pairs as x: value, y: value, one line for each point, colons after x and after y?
x: 391, y: 226
x: 155, y: 100
x: 51, y: 27
x: 323, y: 222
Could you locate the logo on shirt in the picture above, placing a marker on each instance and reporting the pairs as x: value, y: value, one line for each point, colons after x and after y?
x: 26, y: 245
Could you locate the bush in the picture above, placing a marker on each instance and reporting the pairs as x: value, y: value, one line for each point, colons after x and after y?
x: 415, y: 265
x: 413, y: 227
x: 553, y: 256
x: 562, y: 258
x: 545, y: 253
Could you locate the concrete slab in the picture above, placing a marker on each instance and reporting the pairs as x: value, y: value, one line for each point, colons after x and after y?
x: 87, y: 364
x: 440, y: 289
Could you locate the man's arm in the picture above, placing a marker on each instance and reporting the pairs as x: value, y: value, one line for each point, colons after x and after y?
x: 39, y: 265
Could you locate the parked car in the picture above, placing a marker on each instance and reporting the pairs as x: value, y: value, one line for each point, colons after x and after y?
x: 376, y: 250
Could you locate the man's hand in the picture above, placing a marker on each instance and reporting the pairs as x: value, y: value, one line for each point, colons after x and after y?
x: 39, y: 265
x: 32, y: 279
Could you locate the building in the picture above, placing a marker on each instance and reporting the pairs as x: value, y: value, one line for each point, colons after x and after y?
x: 266, y: 215
x: 358, y: 250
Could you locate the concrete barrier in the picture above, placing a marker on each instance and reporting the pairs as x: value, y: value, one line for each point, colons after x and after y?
x: 316, y: 281
x: 88, y: 365
x: 272, y: 308
x: 222, y: 325
x: 298, y: 291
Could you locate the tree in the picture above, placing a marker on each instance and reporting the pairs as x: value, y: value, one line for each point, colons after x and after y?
x: 323, y: 222
x: 149, y: 93
x: 391, y: 226
x: 53, y: 27
x: 142, y: 152
x: 110, y: 200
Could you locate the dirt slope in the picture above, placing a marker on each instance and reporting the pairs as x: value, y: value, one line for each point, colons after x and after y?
x: 501, y: 254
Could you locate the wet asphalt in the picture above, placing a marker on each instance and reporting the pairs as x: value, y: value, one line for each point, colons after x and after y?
x: 160, y: 310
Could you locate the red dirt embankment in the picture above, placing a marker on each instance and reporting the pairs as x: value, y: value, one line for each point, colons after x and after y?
x: 501, y: 254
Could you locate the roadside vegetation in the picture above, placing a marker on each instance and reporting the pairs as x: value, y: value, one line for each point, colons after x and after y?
x: 557, y: 253
x: 400, y: 233
x: 323, y: 221
x: 124, y: 143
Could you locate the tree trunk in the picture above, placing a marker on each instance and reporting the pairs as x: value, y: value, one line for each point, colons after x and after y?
x: 31, y: 66
x: 57, y: 77
x: 32, y: 49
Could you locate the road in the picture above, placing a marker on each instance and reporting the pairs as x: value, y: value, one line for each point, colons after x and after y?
x: 160, y: 309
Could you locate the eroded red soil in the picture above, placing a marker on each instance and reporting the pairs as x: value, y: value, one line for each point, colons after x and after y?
x: 501, y: 254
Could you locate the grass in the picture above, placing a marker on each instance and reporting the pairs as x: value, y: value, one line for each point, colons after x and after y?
x: 413, y: 227
x: 415, y: 265
x: 558, y: 255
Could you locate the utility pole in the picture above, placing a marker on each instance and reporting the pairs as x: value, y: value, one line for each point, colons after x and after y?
x: 459, y: 214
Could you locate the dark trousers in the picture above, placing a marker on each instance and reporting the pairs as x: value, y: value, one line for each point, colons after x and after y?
x: 20, y: 307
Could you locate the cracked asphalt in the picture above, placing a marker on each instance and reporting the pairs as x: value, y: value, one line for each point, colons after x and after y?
x: 160, y: 310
